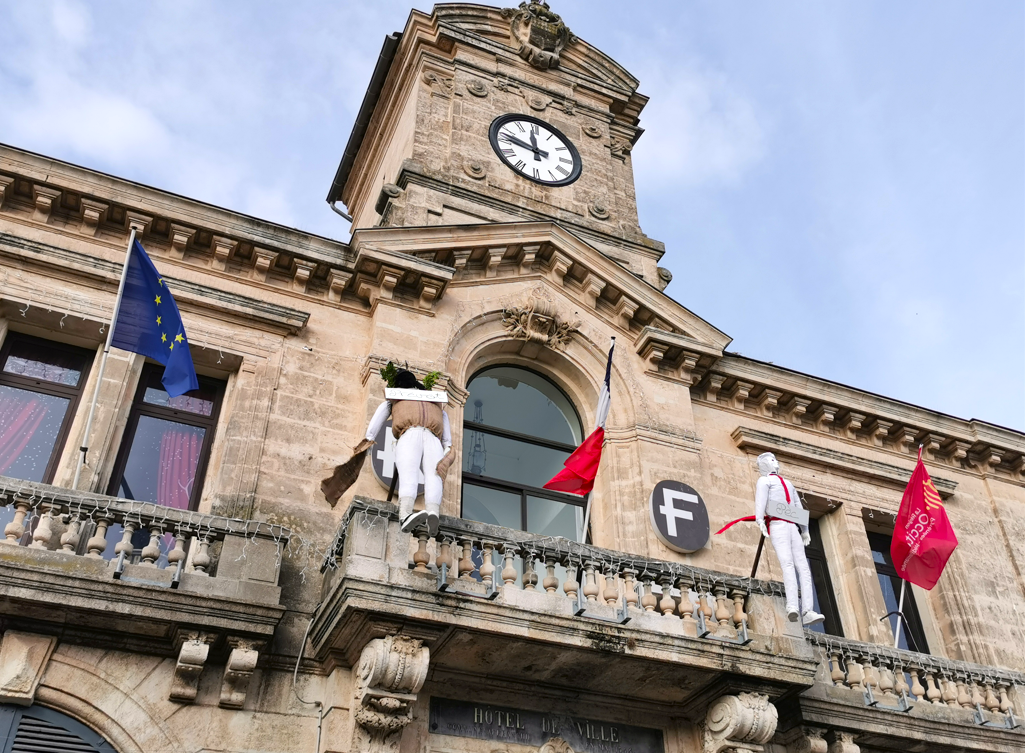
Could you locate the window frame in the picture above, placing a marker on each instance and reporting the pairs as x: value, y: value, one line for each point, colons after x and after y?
x: 524, y: 491
x: 74, y: 394
x: 819, y: 564
x: 912, y: 622
x: 141, y: 408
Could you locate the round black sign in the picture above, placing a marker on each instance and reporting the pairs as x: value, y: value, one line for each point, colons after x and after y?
x: 382, y: 458
x: 679, y: 516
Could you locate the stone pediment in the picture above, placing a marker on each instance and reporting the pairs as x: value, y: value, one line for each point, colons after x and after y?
x: 663, y: 331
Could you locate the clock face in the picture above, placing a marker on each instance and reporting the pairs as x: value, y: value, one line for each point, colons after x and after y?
x: 534, y: 149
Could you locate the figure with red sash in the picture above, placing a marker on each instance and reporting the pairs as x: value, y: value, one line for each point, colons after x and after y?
x: 788, y: 539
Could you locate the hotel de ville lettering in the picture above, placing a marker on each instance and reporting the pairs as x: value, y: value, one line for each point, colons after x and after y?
x: 419, y: 503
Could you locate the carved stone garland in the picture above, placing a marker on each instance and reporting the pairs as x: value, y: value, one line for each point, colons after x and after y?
x: 743, y: 722
x: 390, y: 673
x: 538, y: 322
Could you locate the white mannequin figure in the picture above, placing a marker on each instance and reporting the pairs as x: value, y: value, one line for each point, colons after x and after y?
x: 788, y: 539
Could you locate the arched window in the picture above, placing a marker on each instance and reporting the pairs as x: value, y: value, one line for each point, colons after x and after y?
x: 39, y: 728
x: 518, y: 429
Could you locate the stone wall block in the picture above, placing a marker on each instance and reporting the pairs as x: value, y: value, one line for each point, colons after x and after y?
x: 245, y: 558
x: 23, y: 659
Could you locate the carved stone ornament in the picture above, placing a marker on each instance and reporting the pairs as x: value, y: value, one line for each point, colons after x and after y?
x: 598, y: 210
x: 475, y: 170
x: 541, y: 34
x: 535, y: 101
x: 477, y: 88
x: 743, y: 722
x: 620, y: 148
x: 23, y: 659
x: 664, y: 278
x: 390, y: 673
x: 440, y: 84
x: 556, y: 745
x: 592, y: 130
x: 538, y: 322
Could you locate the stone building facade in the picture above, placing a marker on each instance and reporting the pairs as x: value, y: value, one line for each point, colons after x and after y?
x: 238, y: 611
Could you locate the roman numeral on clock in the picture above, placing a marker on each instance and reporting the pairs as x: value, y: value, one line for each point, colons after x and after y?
x: 537, y: 174
x: 520, y: 164
x: 562, y: 169
x: 520, y: 126
x: 508, y: 152
x: 567, y: 160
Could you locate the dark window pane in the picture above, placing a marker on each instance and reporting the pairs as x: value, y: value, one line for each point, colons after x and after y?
x: 162, y: 463
x: 518, y: 462
x: 30, y: 423
x: 492, y: 506
x: 35, y: 361
x: 521, y: 401
x: 550, y: 518
x: 192, y: 402
x: 819, y: 581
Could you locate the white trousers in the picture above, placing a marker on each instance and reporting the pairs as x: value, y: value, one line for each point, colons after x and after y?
x: 418, y: 449
x: 786, y: 540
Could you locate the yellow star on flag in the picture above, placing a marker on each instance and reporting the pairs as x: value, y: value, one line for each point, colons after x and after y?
x: 178, y: 338
x: 163, y: 337
x: 158, y: 300
x: 172, y: 346
x: 158, y: 320
x: 161, y: 281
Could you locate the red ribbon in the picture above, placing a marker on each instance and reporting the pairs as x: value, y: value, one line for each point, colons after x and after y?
x: 752, y: 517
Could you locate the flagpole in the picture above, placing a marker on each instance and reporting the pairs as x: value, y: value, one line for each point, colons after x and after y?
x: 587, y: 504
x: 103, y: 363
x: 900, y: 612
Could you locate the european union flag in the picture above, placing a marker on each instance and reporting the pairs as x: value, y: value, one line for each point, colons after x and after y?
x: 148, y: 322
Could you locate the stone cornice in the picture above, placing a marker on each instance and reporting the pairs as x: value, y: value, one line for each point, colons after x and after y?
x: 187, y: 294
x: 861, y: 418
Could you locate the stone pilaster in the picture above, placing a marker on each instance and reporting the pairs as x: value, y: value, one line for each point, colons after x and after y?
x: 390, y: 673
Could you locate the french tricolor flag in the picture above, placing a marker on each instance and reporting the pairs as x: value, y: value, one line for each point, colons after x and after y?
x: 582, y: 466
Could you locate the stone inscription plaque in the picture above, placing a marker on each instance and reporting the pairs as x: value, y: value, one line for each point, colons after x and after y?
x: 535, y: 728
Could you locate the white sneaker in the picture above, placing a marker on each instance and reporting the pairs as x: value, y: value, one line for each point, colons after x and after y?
x: 432, y: 523
x: 792, y: 614
x: 414, y: 520
x: 811, y: 617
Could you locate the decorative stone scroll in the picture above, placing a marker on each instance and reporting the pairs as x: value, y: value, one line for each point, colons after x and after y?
x: 191, y: 659
x: 238, y: 671
x: 538, y: 322
x: 541, y: 34
x: 390, y: 673
x: 743, y: 722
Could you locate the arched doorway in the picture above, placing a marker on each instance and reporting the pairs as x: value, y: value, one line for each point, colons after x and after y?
x: 37, y: 728
x: 518, y: 429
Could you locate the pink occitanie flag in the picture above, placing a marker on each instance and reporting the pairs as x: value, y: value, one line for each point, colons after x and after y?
x: 923, y: 538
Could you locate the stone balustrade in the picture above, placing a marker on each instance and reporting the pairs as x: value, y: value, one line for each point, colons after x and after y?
x: 891, y: 678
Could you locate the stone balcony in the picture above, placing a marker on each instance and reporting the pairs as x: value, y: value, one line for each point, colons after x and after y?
x: 541, y: 610
x: 202, y: 586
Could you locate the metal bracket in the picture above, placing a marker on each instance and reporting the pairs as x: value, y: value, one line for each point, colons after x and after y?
x: 1010, y: 720
x: 580, y: 610
x: 904, y: 704
x: 704, y: 631
x: 120, y: 569
x: 177, y: 578
x: 445, y: 587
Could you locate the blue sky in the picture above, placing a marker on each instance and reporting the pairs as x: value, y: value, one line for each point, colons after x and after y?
x: 840, y: 185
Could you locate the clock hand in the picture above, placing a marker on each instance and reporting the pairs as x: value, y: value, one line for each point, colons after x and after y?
x: 533, y: 143
x: 525, y: 145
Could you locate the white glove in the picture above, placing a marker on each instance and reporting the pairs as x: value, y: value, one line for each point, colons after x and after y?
x: 762, y: 527
x: 805, y: 538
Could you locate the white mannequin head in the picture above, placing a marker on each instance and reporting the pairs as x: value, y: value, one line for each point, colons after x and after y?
x: 767, y: 464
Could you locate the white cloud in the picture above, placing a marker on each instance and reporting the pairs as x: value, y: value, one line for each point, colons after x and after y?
x: 72, y: 22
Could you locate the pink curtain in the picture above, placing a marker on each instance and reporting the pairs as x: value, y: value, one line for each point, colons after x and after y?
x: 19, y: 419
x: 179, y: 456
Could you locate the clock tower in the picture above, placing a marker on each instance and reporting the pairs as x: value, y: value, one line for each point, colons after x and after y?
x: 481, y: 115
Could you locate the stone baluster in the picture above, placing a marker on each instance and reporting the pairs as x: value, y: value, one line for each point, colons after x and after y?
x: 97, y: 543
x: 687, y: 607
x: 590, y: 584
x: 570, y: 585
x: 705, y: 605
x: 992, y: 702
x: 630, y: 587
x: 648, y: 599
x: 666, y: 603
x: 509, y: 570
x: 932, y: 693
x: 466, y: 567
x: 529, y: 576
x: 886, y: 680
x: 836, y: 673
x: 44, y: 532
x: 901, y: 684
x: 551, y: 581
x: 870, y: 672
x: 722, y: 612
x: 125, y: 546
x: 949, y: 690
x: 739, y: 616
x: 71, y: 537
x: 487, y: 566
x: 855, y: 673
x: 1005, y: 702
x: 420, y: 557
x: 443, y: 556
x: 14, y: 530
x: 201, y: 562
x: 177, y: 554
x: 916, y: 684
x: 151, y: 552
x: 977, y: 697
x: 964, y: 698
x: 611, y: 591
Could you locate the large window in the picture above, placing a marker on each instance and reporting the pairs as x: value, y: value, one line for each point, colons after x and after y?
x: 825, y: 596
x: 166, y: 443
x: 523, y: 429
x: 911, y: 634
x: 40, y: 384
